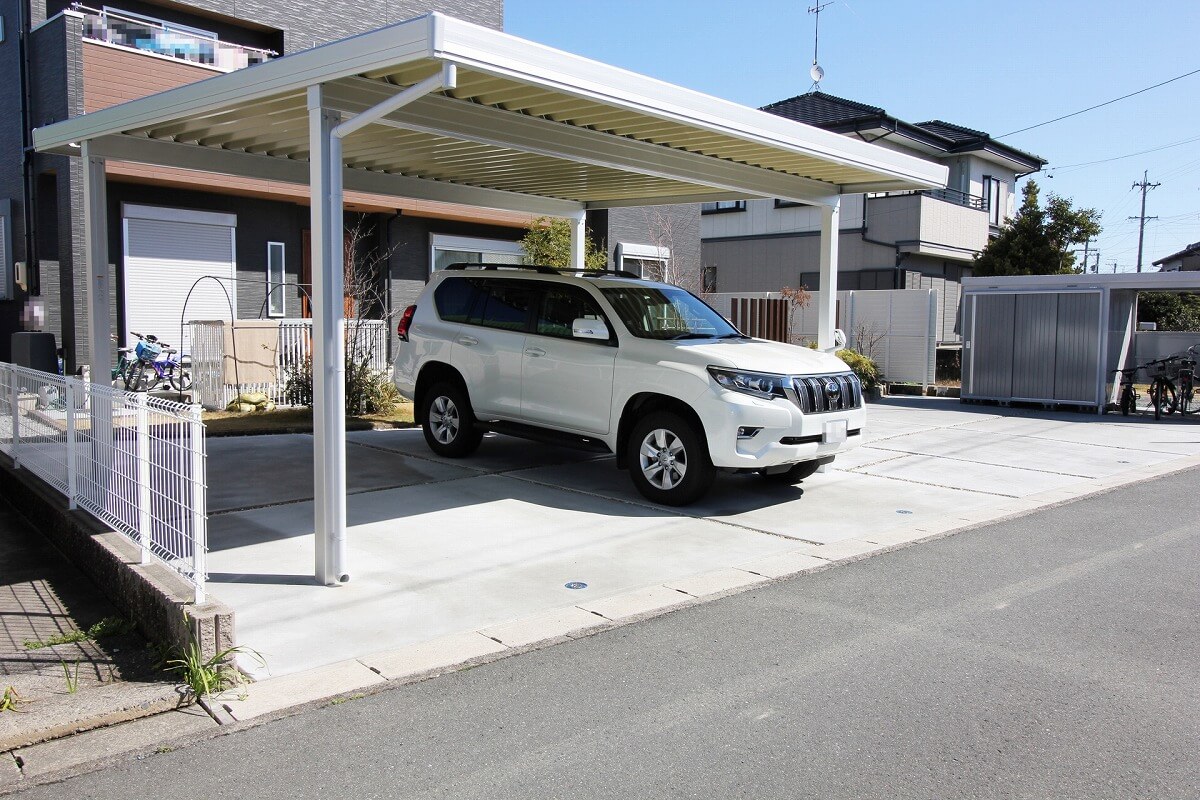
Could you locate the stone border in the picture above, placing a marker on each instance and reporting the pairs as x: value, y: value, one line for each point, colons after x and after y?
x: 150, y: 594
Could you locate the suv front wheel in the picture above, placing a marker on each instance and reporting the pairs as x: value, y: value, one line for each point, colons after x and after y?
x: 668, y: 459
x: 448, y: 422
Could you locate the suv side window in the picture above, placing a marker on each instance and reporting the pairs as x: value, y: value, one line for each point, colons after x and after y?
x: 502, y: 304
x: 561, y: 306
x: 454, y: 298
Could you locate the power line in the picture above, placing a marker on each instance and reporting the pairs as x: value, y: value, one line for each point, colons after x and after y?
x: 1127, y: 155
x: 1100, y: 105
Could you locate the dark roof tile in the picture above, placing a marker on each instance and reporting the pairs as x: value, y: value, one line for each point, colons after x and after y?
x: 818, y: 108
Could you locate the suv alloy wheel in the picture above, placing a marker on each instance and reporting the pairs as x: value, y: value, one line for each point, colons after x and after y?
x: 448, y: 422
x: 668, y: 459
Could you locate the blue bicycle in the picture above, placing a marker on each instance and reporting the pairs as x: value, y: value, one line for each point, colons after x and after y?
x: 153, y: 363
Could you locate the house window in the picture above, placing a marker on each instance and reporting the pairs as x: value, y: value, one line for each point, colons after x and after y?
x: 710, y: 279
x: 991, y: 194
x: 647, y: 260
x: 722, y: 206
x: 788, y: 204
x: 446, y: 250
x: 276, y: 280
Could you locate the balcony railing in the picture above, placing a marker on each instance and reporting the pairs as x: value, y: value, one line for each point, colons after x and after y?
x: 161, y: 38
x: 948, y: 195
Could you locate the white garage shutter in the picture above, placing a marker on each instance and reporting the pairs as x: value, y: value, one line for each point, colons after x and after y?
x: 166, y: 251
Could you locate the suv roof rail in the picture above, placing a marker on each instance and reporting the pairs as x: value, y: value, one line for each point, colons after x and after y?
x: 487, y: 266
x: 543, y: 270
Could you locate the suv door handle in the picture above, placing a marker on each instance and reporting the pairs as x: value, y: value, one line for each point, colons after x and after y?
x: 535, y: 352
x: 469, y: 341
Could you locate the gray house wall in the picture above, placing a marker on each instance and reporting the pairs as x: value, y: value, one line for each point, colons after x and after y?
x: 57, y: 78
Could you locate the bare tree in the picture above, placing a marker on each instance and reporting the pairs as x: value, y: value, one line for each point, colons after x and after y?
x: 665, y: 231
x: 797, y: 298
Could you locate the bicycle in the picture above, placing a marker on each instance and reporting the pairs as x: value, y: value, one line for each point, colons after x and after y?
x: 1128, y: 397
x: 154, y: 364
x: 122, y: 367
x: 1187, y: 396
x: 1169, y: 397
x: 1162, y: 388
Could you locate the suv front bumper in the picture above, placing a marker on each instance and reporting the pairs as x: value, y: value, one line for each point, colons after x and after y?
x: 746, y: 432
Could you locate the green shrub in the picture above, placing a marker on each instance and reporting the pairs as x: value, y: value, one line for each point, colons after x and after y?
x: 865, y: 368
x: 367, y: 391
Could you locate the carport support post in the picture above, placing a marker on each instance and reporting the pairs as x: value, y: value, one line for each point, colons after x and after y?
x: 95, y: 232
x: 831, y: 212
x: 578, y: 241
x: 99, y: 313
x: 329, y: 358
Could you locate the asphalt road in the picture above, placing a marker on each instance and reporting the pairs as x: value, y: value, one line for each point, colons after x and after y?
x: 1054, y: 656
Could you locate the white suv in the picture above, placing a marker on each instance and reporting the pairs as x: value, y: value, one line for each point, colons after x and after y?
x: 613, y: 363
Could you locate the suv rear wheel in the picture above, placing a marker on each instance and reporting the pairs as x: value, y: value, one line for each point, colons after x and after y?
x: 668, y: 459
x: 448, y: 422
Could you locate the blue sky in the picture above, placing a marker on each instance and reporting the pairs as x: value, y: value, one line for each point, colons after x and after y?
x: 995, y: 66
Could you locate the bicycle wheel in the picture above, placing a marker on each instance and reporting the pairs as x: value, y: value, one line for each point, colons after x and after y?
x: 1128, y: 404
x: 180, y: 379
x: 1162, y: 396
x: 1189, y: 399
x: 141, y: 377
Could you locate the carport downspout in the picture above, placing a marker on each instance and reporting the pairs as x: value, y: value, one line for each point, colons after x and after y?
x: 831, y: 213
x: 326, y: 132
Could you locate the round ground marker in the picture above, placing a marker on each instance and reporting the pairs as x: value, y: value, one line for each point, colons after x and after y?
x: 903, y: 511
x: 576, y: 585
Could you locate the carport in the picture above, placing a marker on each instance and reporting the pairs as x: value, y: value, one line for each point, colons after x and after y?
x: 1054, y: 339
x: 439, y: 109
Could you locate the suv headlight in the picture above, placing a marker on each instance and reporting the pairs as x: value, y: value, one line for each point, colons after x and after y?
x: 758, y: 384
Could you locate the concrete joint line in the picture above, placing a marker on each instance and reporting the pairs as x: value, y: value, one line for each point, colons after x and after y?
x: 981, y: 463
x: 860, y: 471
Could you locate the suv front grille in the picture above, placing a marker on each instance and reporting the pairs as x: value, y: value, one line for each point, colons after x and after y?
x: 823, y: 393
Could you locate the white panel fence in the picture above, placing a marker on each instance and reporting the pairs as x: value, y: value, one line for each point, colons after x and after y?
x: 216, y: 383
x: 135, y: 463
x: 895, y: 327
x: 1154, y: 345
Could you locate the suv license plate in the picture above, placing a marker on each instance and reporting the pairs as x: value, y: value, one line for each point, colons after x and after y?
x: 835, y: 432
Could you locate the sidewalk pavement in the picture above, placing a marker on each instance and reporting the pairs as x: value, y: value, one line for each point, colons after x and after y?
x: 75, y: 685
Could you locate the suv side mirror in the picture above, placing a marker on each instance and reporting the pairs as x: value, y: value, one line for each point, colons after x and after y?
x: 584, y: 328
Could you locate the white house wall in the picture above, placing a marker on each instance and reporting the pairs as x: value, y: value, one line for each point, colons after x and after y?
x: 761, y: 216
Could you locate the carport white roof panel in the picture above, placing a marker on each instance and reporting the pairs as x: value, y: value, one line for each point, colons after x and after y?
x: 523, y: 119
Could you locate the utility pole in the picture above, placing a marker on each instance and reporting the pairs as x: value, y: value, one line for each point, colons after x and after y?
x: 1096, y: 267
x: 1086, y: 245
x: 1145, y: 186
x: 1114, y: 267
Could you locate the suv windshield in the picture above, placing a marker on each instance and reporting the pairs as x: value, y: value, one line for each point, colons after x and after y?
x: 654, y: 312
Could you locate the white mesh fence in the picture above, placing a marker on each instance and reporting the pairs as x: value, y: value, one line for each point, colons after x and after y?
x: 134, y: 462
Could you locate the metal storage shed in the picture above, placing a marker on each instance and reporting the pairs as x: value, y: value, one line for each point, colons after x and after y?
x: 1053, y: 338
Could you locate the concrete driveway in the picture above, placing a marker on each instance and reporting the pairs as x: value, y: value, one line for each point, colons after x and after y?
x: 488, y: 544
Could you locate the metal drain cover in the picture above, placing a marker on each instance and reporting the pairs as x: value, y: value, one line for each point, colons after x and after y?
x: 576, y: 585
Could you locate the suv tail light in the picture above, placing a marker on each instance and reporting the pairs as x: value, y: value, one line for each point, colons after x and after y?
x: 405, y: 322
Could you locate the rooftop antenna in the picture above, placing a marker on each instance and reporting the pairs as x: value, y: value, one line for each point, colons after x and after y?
x: 815, y: 72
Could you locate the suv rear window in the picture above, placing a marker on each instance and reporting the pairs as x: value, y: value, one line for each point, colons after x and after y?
x: 502, y: 304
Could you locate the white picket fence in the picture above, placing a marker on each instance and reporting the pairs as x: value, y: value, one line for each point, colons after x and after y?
x: 212, y: 383
x: 134, y: 462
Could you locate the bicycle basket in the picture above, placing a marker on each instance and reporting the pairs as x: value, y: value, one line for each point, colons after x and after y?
x: 147, y: 351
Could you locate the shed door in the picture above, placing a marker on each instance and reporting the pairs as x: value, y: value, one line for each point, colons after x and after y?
x: 166, y: 251
x: 991, y: 357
